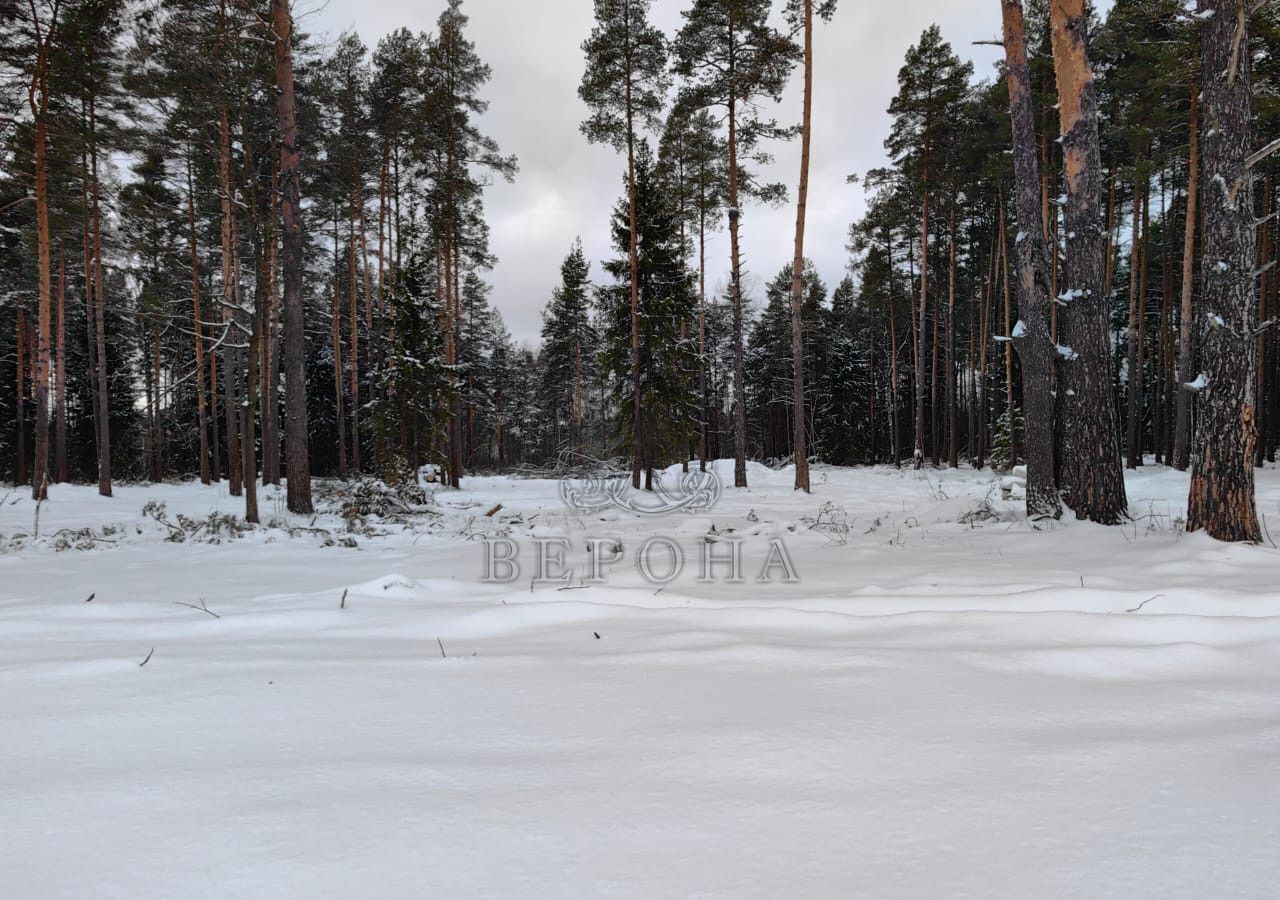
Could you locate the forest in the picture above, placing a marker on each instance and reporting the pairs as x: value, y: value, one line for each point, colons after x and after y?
x: 231, y: 252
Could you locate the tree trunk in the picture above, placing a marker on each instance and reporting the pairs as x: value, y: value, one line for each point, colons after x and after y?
x: 198, y: 326
x: 20, y: 398
x: 1034, y: 344
x: 297, y: 463
x: 353, y: 323
x: 1092, y: 475
x: 1182, y: 427
x: 799, y: 442
x: 231, y: 367
x: 633, y: 258
x: 923, y: 313
x: 735, y: 291
x: 1136, y: 262
x: 1222, y: 494
x: 953, y: 438
x: 61, y: 471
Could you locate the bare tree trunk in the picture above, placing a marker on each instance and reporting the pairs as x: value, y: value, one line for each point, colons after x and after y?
x: 339, y: 388
x: 297, y: 463
x: 922, y: 330
x: 40, y: 471
x: 20, y: 473
x: 1033, y: 341
x: 198, y: 326
x: 353, y: 322
x: 735, y: 290
x: 60, y: 466
x: 1092, y: 476
x: 1222, y: 494
x: 1182, y: 428
x: 953, y: 437
x: 1136, y: 262
x: 1007, y: 292
x: 230, y: 368
x: 799, y: 442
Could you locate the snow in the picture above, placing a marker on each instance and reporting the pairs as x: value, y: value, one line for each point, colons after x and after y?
x: 951, y: 701
x: 1201, y: 382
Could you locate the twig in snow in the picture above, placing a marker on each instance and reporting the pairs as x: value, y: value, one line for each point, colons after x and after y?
x: 343, y: 603
x: 1144, y: 603
x: 201, y: 607
x: 442, y: 653
x: 90, y: 597
x: 494, y: 511
x: 148, y: 659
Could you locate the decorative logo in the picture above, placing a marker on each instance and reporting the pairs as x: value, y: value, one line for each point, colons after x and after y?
x: 692, y: 491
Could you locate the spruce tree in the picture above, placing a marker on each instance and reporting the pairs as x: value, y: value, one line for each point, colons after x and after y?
x: 623, y: 86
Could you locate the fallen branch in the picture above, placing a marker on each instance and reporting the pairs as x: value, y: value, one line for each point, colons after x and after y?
x: 202, y: 607
x: 1144, y: 603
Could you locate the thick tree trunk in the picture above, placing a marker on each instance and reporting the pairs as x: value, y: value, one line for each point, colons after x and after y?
x: 1092, y: 475
x: 1034, y: 343
x: 1222, y: 494
x: 297, y: 463
x: 799, y: 442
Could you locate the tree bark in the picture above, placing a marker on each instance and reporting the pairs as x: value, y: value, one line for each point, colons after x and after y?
x: 297, y: 463
x: 1186, y: 360
x: 735, y: 281
x: 1222, y: 493
x: 1091, y: 472
x: 1034, y: 344
x: 922, y: 312
x: 799, y: 442
x: 1136, y: 262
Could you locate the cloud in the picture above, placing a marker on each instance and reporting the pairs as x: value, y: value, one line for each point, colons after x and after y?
x: 568, y: 188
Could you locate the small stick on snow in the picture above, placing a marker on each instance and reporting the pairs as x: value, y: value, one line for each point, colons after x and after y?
x: 442, y: 653
x: 148, y: 659
x: 1144, y: 603
x: 201, y: 607
x: 493, y: 512
x: 343, y: 603
x: 90, y: 597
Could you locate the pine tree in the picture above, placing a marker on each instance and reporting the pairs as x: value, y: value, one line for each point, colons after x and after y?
x: 1222, y: 494
x: 800, y: 12
x: 623, y: 86
x: 931, y: 84
x: 730, y: 58
x: 297, y: 464
x: 1032, y: 338
x: 1091, y: 474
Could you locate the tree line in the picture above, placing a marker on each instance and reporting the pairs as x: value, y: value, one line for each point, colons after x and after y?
x: 229, y: 251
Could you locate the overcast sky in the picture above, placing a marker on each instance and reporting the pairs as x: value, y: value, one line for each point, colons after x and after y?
x: 567, y: 187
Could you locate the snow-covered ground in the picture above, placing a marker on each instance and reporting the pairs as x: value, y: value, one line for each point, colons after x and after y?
x: 950, y: 702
